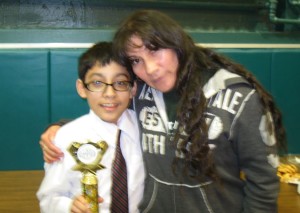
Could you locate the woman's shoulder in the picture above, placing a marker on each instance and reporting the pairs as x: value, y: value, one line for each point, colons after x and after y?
x: 224, y: 79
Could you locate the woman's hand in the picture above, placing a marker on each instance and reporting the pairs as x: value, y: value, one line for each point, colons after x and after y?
x: 50, y: 152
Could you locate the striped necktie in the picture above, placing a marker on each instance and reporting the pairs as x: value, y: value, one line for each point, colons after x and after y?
x: 119, y: 203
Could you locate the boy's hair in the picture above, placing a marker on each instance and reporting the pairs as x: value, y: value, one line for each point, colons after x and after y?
x: 101, y: 53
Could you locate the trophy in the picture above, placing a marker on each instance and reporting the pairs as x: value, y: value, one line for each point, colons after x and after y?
x: 88, y: 157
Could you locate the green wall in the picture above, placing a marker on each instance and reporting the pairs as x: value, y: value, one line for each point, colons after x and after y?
x: 38, y: 87
x: 24, y: 107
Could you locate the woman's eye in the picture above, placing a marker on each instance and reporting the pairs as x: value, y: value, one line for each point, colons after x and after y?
x: 134, y: 61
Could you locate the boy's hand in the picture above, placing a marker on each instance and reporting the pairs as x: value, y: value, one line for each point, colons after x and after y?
x: 50, y: 152
x: 80, y: 205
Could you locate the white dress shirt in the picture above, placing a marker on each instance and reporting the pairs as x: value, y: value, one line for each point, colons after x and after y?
x: 61, y: 184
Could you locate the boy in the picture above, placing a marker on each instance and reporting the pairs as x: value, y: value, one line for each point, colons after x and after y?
x: 108, y: 88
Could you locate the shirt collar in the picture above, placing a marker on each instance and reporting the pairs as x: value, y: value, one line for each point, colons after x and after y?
x: 127, y: 123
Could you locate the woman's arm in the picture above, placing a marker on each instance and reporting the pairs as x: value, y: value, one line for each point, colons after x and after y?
x: 51, y: 152
x: 257, y: 155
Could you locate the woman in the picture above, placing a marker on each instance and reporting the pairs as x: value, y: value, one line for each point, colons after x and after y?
x: 204, y: 121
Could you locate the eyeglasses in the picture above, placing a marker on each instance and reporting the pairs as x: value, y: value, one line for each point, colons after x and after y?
x: 99, y: 86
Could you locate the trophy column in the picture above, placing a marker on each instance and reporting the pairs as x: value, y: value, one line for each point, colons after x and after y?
x: 88, y: 157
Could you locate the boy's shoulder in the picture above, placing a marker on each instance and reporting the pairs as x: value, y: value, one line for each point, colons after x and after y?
x: 71, y: 130
x: 76, y: 123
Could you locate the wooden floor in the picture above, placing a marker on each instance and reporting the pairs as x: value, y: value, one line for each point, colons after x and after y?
x: 18, y: 189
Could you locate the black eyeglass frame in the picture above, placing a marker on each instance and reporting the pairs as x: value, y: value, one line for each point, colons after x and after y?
x: 128, y: 86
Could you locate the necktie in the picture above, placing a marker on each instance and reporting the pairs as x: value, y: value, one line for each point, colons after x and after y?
x: 119, y: 202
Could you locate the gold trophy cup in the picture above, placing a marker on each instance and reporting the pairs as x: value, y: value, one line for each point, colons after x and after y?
x: 88, y: 157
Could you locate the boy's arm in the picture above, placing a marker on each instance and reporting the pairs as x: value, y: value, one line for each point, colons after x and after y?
x: 51, y: 152
x: 53, y: 192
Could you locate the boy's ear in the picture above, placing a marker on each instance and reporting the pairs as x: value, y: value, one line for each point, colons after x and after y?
x: 133, y: 90
x: 80, y: 88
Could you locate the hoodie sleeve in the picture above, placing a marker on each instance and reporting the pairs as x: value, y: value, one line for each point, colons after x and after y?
x: 257, y: 156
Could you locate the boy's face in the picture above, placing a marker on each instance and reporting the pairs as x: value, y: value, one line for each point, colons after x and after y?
x: 108, y: 104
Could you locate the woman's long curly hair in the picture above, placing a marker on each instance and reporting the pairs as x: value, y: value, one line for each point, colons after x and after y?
x: 196, y: 66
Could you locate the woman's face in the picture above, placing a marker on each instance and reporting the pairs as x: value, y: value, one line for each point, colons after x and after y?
x: 158, y: 68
